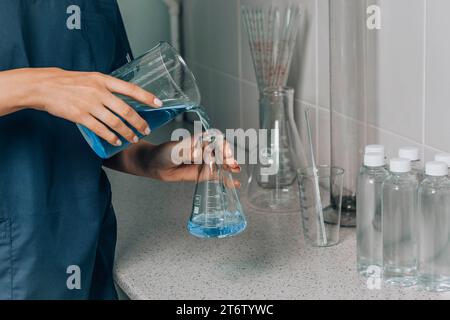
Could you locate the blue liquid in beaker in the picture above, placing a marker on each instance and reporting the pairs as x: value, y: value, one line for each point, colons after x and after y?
x: 155, y: 117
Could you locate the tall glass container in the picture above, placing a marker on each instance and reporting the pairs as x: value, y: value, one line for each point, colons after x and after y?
x: 353, y: 65
x: 272, y: 185
x: 272, y: 27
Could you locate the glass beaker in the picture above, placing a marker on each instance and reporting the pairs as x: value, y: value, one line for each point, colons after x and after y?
x: 316, y: 231
x: 163, y: 72
x: 277, y: 156
x: 216, y: 209
x: 353, y: 70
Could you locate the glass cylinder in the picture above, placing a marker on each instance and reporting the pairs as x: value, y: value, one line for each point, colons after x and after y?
x: 353, y: 65
x: 272, y: 27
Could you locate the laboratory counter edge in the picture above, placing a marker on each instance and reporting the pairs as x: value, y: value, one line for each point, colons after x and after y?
x: 157, y: 258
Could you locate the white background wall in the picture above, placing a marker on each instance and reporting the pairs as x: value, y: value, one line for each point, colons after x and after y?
x: 414, y: 70
x: 146, y: 21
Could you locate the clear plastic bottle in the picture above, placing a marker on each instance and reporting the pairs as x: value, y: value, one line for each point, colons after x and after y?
x: 377, y: 148
x: 434, y: 229
x: 399, y: 207
x: 413, y: 154
x: 368, y: 220
x: 443, y: 157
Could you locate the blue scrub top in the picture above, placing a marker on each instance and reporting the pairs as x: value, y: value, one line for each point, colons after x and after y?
x: 57, y: 225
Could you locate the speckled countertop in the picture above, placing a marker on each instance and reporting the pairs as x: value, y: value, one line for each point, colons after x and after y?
x: 158, y: 259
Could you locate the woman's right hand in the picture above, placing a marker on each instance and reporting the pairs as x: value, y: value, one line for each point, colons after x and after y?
x: 86, y: 98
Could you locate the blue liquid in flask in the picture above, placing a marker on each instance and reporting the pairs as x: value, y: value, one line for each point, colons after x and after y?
x: 219, y: 225
x: 216, y: 211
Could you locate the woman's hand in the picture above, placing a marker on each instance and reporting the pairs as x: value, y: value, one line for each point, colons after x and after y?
x: 82, y: 97
x: 163, y: 166
x: 165, y: 162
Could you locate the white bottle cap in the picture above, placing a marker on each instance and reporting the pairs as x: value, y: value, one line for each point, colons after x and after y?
x: 436, y: 169
x: 400, y: 165
x: 375, y: 148
x: 374, y: 159
x: 443, y: 157
x: 411, y: 153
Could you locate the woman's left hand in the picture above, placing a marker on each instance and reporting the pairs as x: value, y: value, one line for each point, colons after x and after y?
x: 163, y: 166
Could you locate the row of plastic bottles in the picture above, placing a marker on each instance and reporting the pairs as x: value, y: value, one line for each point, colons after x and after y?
x: 403, y: 221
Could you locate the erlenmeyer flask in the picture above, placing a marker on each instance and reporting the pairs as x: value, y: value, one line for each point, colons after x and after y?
x: 216, y: 209
x: 280, y: 153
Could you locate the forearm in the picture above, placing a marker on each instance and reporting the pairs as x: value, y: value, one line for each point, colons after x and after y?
x: 17, y: 90
x: 135, y: 160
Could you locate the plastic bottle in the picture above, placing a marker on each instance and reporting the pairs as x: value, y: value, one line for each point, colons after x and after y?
x: 377, y: 148
x: 412, y: 154
x: 368, y: 220
x: 434, y: 229
x: 399, y: 219
x: 443, y: 157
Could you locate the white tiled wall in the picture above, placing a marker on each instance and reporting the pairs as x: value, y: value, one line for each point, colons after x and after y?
x: 414, y: 70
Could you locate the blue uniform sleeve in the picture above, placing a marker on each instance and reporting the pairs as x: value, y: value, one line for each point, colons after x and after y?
x: 123, y: 52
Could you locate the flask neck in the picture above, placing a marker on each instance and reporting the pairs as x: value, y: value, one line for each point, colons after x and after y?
x: 276, y: 105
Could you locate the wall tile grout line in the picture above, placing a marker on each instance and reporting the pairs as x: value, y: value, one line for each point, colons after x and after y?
x: 253, y: 83
x: 220, y: 72
x: 310, y: 64
x: 239, y: 47
x: 424, y: 94
x: 399, y: 136
x: 316, y: 35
